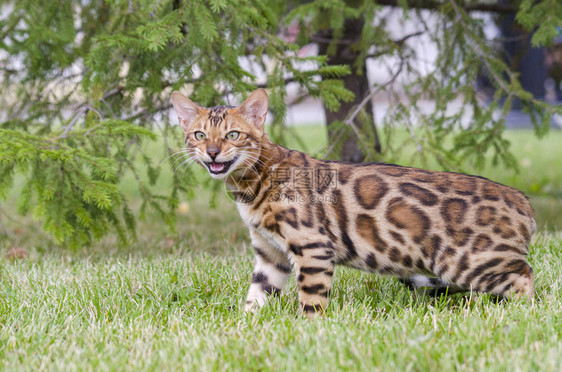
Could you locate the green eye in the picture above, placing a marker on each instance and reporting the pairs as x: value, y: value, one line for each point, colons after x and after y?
x: 233, y: 135
x: 200, y: 136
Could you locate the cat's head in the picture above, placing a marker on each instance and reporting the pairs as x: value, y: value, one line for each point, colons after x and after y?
x: 223, y: 139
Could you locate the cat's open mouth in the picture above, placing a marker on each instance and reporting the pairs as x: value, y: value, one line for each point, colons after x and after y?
x: 220, y: 167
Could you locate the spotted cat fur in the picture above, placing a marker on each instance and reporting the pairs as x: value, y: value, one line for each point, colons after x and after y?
x: 430, y: 229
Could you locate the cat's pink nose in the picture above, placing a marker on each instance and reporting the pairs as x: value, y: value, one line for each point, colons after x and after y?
x: 213, y: 152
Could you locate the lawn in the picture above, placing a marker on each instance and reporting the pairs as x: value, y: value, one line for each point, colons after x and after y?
x: 173, y: 301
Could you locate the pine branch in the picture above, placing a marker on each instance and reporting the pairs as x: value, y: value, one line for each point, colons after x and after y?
x: 82, y: 110
x: 395, y: 44
x: 147, y: 111
x: 266, y: 85
x: 349, y: 122
x: 389, y: 80
x: 483, y: 55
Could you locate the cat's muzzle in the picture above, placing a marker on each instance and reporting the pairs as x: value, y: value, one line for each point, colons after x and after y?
x: 216, y: 167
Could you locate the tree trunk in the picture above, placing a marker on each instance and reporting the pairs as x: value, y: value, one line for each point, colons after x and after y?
x: 357, y: 83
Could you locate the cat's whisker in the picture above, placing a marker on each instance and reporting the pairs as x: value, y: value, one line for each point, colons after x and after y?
x: 191, y: 162
x: 186, y: 167
x: 182, y: 151
x: 258, y: 154
x: 253, y: 158
x: 187, y: 161
x: 181, y: 158
x: 255, y: 151
x: 256, y: 159
x: 250, y: 165
x: 246, y: 168
x: 176, y: 169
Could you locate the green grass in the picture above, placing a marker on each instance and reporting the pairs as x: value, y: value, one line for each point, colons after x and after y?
x: 170, y: 302
x: 156, y: 307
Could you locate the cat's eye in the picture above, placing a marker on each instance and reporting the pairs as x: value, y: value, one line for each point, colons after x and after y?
x: 200, y: 136
x: 233, y: 136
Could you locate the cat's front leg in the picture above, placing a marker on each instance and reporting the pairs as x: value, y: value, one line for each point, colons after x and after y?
x: 271, y: 272
x: 314, y: 267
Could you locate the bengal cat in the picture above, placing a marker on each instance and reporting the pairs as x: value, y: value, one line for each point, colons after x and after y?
x: 430, y: 229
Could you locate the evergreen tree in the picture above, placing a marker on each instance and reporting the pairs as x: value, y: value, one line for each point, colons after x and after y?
x: 85, y: 84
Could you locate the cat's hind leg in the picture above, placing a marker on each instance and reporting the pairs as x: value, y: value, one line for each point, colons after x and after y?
x: 509, y: 278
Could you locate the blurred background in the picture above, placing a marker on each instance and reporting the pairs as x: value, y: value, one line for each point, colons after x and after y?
x: 89, y: 145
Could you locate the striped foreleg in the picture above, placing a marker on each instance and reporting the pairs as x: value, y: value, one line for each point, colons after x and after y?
x: 270, y: 275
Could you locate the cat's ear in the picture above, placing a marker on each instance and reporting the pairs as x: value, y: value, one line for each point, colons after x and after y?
x: 186, y: 109
x: 254, y: 109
